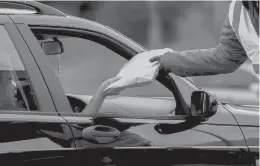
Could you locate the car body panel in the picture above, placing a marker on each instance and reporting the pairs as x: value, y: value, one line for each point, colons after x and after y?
x: 180, y: 138
x: 31, y: 131
x: 39, y: 157
x: 219, y: 130
x: 245, y: 115
x: 5, y: 19
x: 248, y: 119
x: 123, y: 105
x: 207, y: 130
x: 164, y: 156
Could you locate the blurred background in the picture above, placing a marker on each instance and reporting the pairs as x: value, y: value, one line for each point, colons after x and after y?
x: 178, y: 25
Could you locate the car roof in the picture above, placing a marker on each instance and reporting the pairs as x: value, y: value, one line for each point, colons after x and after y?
x: 76, y: 23
x: 32, y: 12
x: 28, y: 7
x: 7, y: 11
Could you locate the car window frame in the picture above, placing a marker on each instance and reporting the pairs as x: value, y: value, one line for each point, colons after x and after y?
x: 32, y: 71
x: 124, y: 51
x: 52, y: 83
x: 97, y: 39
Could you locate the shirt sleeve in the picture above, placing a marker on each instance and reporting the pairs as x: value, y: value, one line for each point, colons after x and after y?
x: 225, y: 58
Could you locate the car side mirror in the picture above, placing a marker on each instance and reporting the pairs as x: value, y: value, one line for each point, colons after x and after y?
x: 203, y: 104
x: 52, y: 47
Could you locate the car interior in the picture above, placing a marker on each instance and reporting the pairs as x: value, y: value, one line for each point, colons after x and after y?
x: 18, y: 92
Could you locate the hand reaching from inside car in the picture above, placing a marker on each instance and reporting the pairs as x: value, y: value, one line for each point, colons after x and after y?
x: 97, y: 100
x: 111, y: 91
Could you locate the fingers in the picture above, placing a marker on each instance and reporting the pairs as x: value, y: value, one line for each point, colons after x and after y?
x: 155, y: 63
x: 117, y: 91
x: 114, y: 79
x: 155, y: 58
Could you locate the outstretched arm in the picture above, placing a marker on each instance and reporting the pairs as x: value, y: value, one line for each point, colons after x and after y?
x: 97, y: 100
x: 225, y: 58
x: 95, y: 103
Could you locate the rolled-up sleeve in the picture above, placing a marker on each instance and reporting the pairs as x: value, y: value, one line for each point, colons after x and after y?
x: 225, y: 58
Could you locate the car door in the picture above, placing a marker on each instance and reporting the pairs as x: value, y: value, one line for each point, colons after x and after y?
x: 123, y: 132
x: 32, y: 132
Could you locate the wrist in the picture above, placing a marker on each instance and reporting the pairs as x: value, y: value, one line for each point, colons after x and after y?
x: 100, y: 93
x: 168, y: 59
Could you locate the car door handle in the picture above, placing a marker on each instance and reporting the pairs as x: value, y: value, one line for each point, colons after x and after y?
x: 100, y: 134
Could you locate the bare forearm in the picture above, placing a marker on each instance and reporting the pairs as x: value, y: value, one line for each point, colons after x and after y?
x: 95, y: 103
x: 99, y: 97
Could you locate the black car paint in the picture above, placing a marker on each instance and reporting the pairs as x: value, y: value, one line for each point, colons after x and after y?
x: 248, y: 120
x: 208, y: 143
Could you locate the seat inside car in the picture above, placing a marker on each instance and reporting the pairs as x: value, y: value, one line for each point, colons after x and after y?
x: 7, y: 89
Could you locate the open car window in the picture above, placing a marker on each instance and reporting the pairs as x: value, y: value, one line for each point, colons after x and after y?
x: 16, y: 91
x: 84, y: 64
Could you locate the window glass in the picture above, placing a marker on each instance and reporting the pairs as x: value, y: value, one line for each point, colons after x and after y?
x: 82, y: 65
x: 85, y: 64
x: 15, y: 88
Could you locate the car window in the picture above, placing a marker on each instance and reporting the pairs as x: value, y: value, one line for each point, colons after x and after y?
x: 16, y: 91
x: 84, y: 64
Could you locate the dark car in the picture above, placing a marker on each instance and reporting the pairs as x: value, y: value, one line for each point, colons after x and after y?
x: 51, y: 64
